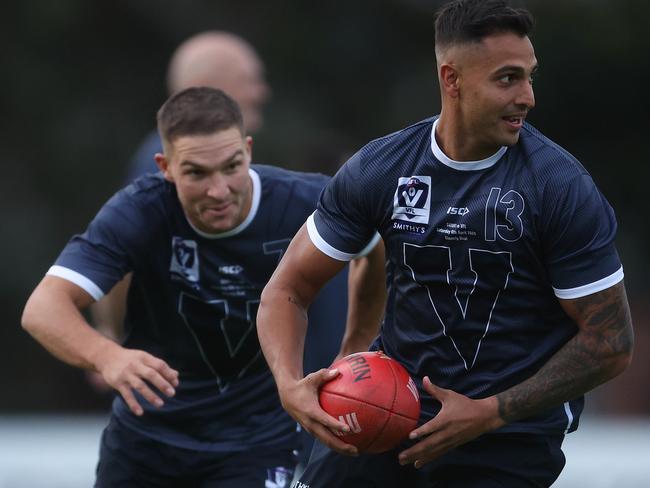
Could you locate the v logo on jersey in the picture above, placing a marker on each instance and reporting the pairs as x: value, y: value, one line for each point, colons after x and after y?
x: 226, y: 341
x: 463, y: 307
x: 412, y: 200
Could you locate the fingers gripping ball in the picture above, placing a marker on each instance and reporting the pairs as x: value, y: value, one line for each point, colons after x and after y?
x: 376, y: 397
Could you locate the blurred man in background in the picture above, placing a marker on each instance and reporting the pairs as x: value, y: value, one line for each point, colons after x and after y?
x: 221, y: 60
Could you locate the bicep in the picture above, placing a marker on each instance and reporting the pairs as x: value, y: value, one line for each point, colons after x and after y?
x: 54, y: 287
x: 605, y: 317
x: 304, y: 269
x: 54, y: 297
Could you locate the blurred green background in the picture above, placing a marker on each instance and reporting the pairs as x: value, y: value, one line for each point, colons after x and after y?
x: 81, y: 82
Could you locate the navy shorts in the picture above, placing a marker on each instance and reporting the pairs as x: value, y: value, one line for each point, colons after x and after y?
x: 129, y: 459
x: 491, y: 461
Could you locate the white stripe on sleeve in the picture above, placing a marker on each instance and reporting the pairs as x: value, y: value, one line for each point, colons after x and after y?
x: 78, y: 279
x: 596, y: 286
x: 323, y: 246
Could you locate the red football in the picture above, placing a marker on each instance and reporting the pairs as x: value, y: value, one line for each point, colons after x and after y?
x: 376, y: 397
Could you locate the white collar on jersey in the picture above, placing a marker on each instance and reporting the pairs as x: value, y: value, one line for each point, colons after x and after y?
x: 257, y: 195
x: 462, y: 165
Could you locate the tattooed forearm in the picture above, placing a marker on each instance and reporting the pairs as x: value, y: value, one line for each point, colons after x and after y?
x: 600, y: 350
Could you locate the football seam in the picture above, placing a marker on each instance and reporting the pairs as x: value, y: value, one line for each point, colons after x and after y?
x: 390, y: 412
x: 395, y: 385
x: 371, y: 404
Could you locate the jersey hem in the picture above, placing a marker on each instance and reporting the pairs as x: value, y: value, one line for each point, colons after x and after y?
x: 289, y: 437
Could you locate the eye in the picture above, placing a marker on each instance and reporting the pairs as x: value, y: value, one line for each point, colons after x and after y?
x: 232, y: 166
x: 195, y: 172
x: 506, y: 79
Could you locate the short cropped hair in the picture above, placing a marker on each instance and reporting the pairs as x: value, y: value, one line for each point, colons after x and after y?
x: 463, y: 21
x: 197, y: 111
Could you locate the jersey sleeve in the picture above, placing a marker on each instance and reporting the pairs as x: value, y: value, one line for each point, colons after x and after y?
x: 107, y: 250
x: 342, y: 226
x: 579, y: 245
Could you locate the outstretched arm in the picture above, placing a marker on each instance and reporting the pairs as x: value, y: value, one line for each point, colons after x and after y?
x: 600, y: 350
x: 53, y: 317
x: 281, y: 327
x: 366, y: 300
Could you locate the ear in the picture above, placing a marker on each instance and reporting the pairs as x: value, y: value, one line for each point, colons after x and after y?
x: 249, y: 145
x: 449, y: 80
x: 163, y: 165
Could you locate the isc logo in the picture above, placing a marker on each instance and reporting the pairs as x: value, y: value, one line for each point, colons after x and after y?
x: 457, y: 211
x: 231, y: 270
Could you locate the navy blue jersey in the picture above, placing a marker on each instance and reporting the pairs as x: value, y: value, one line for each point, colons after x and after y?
x: 478, y: 255
x: 193, y: 302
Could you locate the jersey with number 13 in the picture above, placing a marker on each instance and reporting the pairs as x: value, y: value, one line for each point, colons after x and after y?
x: 478, y: 255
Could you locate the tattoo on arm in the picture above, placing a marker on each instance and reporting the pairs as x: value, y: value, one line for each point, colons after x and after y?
x: 599, y: 351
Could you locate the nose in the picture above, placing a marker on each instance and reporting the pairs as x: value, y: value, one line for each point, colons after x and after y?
x: 218, y: 188
x: 526, y: 96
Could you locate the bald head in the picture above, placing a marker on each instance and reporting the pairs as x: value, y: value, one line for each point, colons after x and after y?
x: 225, y: 61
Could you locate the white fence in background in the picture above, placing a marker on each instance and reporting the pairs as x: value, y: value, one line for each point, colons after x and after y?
x: 61, y: 452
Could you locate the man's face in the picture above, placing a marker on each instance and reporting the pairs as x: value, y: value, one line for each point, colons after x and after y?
x: 211, y: 177
x: 495, y: 89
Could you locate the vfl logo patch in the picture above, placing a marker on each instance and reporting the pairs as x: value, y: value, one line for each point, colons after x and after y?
x: 279, y: 477
x: 412, y: 200
x: 185, y: 259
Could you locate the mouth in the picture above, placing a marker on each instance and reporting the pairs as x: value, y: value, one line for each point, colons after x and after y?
x: 217, y: 210
x: 514, y: 122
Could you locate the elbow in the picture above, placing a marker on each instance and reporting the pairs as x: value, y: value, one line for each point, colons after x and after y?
x: 29, y: 320
x: 624, y: 361
x: 624, y: 353
x: 35, y: 313
x: 619, y: 364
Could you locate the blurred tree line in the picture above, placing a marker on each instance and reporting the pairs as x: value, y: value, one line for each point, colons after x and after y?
x: 82, y: 82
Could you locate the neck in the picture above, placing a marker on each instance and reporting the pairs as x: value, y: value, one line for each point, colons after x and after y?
x: 458, y: 142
